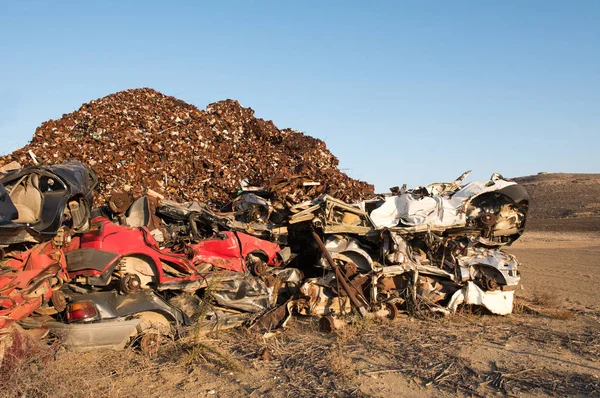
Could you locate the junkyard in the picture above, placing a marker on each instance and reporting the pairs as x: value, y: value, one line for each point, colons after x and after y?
x: 149, y: 249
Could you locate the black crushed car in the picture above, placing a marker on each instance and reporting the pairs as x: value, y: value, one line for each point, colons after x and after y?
x: 35, y: 202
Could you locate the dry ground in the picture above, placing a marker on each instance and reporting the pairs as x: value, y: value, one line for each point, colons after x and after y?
x: 549, y: 347
x: 562, y: 257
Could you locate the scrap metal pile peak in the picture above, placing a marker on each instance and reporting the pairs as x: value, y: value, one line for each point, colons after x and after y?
x: 140, y: 139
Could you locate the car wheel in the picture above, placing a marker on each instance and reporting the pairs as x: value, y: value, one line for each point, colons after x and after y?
x: 152, y: 331
x: 257, y: 265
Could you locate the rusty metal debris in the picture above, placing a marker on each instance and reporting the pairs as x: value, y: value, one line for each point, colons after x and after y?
x: 340, y: 277
x: 432, y: 248
x: 141, y: 139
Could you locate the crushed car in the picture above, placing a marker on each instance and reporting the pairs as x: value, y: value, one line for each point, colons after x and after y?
x: 130, y: 259
x: 172, y: 221
x: 122, y: 279
x: 38, y: 201
x: 495, y: 210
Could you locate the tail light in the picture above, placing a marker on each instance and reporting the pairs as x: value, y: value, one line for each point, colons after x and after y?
x: 81, y: 311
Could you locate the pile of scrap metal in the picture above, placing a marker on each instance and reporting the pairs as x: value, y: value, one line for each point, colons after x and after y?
x: 106, y: 276
x: 140, y: 269
x: 429, y: 249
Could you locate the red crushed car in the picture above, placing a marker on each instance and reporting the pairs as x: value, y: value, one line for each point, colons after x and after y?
x: 130, y: 257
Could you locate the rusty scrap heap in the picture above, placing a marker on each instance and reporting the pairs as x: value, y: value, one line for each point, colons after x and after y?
x: 138, y: 139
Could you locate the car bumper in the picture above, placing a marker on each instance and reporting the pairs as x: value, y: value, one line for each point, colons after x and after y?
x: 497, y: 302
x: 114, y: 334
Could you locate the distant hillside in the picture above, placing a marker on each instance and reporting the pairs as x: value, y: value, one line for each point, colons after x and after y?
x: 562, y: 195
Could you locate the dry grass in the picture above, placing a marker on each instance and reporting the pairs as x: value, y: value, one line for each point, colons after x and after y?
x: 301, y: 361
x: 86, y: 374
x: 543, y: 304
x: 341, y: 364
x: 305, y: 361
x: 200, y: 354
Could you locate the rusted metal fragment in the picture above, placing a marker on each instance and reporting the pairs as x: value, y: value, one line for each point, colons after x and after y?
x: 28, y: 280
x: 350, y: 290
x: 274, y: 319
x: 332, y: 216
x: 316, y: 298
x: 330, y: 324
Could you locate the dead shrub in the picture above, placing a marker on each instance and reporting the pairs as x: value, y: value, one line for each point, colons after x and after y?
x: 354, y: 328
x: 546, y: 299
x: 522, y: 306
x: 340, y: 363
x: 563, y: 315
x: 203, y: 352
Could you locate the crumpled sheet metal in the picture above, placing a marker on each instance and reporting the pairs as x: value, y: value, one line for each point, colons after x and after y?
x: 249, y: 293
x: 318, y: 299
x: 347, y: 249
x: 497, y: 302
x: 241, y: 292
x: 27, y: 280
x: 110, y: 334
x: 505, y: 263
x: 138, y: 139
x: 332, y: 216
x: 440, y: 210
x: 219, y: 221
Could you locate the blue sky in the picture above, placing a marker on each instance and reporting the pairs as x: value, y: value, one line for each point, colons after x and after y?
x: 402, y: 92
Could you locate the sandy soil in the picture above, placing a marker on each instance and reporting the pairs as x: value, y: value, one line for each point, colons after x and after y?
x: 550, y: 346
x: 563, y: 260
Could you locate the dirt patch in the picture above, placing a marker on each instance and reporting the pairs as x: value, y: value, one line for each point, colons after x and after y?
x: 564, y: 266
